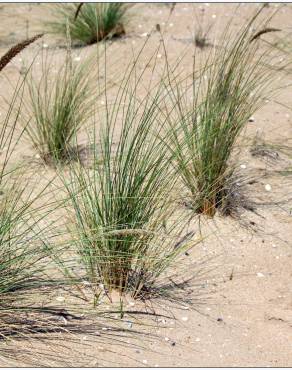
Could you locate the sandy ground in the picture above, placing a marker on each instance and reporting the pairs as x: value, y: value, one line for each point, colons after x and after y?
x: 246, y: 320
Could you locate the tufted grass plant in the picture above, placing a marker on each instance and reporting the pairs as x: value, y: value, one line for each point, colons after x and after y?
x: 124, y: 225
x: 212, y: 111
x: 60, y: 101
x: 90, y: 22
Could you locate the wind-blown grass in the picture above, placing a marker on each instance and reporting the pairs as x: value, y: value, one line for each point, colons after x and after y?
x: 60, y: 102
x: 230, y: 87
x: 123, y: 223
x: 94, y: 21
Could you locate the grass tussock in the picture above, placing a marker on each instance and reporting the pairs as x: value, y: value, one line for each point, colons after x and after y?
x: 123, y: 223
x: 60, y: 101
x: 90, y: 22
x: 212, y: 112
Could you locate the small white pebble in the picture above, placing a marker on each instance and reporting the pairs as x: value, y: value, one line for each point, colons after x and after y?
x: 274, y: 246
x: 37, y: 156
x: 145, y: 362
x: 156, y: 365
x: 259, y: 274
x: 184, y: 318
x: 145, y: 34
x: 251, y: 119
x: 185, y: 308
x: 166, y: 339
x: 45, y: 46
x: 197, y: 339
x: 214, y: 16
x: 104, y: 329
x: 60, y: 299
x: 77, y: 59
x: 170, y: 24
x: 20, y: 59
x: 268, y: 187
x: 243, y: 166
x: 159, y: 56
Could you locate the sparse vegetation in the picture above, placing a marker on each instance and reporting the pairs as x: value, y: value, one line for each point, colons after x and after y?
x: 103, y: 249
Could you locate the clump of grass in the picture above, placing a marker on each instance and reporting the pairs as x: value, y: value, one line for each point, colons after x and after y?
x: 201, y: 38
x: 201, y: 31
x: 229, y: 88
x: 123, y: 224
x: 91, y: 22
x: 60, y: 102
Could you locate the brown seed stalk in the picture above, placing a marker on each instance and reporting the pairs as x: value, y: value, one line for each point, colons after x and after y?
x: 16, y: 49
